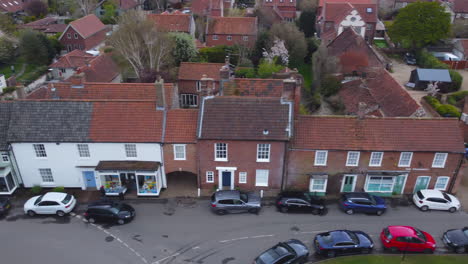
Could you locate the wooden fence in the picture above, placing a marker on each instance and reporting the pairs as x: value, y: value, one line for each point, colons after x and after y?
x: 457, y: 65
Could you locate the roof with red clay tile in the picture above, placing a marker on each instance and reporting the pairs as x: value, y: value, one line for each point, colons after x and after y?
x: 321, y: 2
x: 233, y: 26
x: 172, y: 22
x: 126, y: 122
x: 11, y: 6
x: 181, y: 126
x: 55, y: 28
x: 377, y: 134
x: 73, y: 59
x: 127, y: 4
x: 254, y: 87
x: 280, y: 3
x: 40, y: 24
x: 244, y: 118
x: 195, y: 70
x: 337, y: 12
x: 460, y: 6
x: 352, y: 93
x: 100, y: 69
x: 202, y: 7
x: 87, y: 26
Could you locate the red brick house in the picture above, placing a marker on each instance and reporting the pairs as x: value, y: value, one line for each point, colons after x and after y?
x: 242, y: 142
x: 84, y: 34
x: 460, y: 9
x: 385, y: 156
x: 211, y: 8
x: 231, y: 31
x: 174, y: 22
x: 285, y: 9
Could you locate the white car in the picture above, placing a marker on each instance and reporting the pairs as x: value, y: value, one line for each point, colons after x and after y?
x: 50, y: 203
x: 436, y: 200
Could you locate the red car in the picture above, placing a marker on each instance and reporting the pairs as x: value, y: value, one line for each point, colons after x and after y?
x: 407, y: 238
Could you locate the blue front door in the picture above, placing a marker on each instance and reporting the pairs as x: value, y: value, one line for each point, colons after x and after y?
x: 90, y: 181
x: 226, y: 178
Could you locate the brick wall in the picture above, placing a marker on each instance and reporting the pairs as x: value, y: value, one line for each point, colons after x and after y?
x: 75, y: 43
x: 189, y: 164
x: 236, y: 39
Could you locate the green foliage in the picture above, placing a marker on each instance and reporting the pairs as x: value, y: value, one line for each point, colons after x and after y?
x: 7, y: 51
x: 213, y: 54
x: 33, y: 48
x: 428, y: 61
x: 59, y: 189
x: 266, y: 69
x: 312, y: 46
x: 185, y: 49
x: 329, y: 85
x: 303, y: 110
x: 36, y: 189
x: 445, y: 110
x: 455, y: 98
x: 420, y: 24
x: 294, y: 41
x: 264, y: 42
x: 110, y: 13
x: 313, y: 101
x: 7, y: 24
x: 457, y: 81
x: 108, y: 49
x: 8, y: 90
x: 305, y: 22
x: 28, y: 19
x: 245, y: 73
x: 68, y: 20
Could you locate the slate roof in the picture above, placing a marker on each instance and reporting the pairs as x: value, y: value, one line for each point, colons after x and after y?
x: 51, y: 121
x: 181, y: 126
x: 195, y: 70
x: 440, y: 75
x: 74, y: 59
x: 460, y: 6
x: 244, y: 118
x: 233, y: 26
x: 5, y: 110
x: 11, y: 6
x: 88, y: 25
x: 171, y: 22
x: 378, y: 134
x: 254, y: 87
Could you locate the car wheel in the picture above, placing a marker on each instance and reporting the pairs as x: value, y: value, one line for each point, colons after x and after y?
x: 452, y: 209
x: 424, y: 208
x: 61, y: 213
x: 324, y: 211
x: 331, y: 254
x: 428, y: 251
x: 31, y: 213
x: 120, y: 222
x: 350, y: 211
x: 92, y: 220
x: 380, y: 212
x: 394, y: 249
x: 284, y: 209
x: 253, y: 211
x: 459, y: 250
x: 221, y: 212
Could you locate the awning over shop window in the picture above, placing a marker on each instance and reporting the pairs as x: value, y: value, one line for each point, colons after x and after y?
x: 386, y: 173
x: 128, y: 165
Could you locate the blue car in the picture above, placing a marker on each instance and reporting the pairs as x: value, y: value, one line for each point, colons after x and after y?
x: 342, y: 242
x: 362, y: 203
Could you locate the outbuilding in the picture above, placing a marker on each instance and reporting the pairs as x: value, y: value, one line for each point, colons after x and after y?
x: 421, y: 78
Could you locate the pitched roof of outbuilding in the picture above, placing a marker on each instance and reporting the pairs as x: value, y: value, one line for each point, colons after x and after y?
x: 233, y: 26
x: 195, y: 70
x: 74, y: 59
x: 100, y: 69
x: 378, y: 134
x: 441, y: 75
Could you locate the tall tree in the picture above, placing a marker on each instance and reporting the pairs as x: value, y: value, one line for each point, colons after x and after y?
x: 7, y: 50
x: 33, y: 49
x: 294, y: 40
x: 419, y: 24
x: 185, y: 49
x: 36, y: 8
x: 88, y: 6
x: 7, y: 24
x: 306, y: 23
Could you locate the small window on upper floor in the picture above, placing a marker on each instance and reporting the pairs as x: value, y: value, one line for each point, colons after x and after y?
x: 179, y: 152
x: 263, y: 152
x: 40, y: 150
x: 369, y: 10
x: 229, y: 38
x: 215, y: 37
x: 321, y: 158
x: 68, y: 35
x: 439, y: 160
x: 83, y: 150
x: 5, y: 157
x: 221, y: 152
x: 130, y: 150
x: 405, y: 159
x: 76, y: 36
x: 353, y: 158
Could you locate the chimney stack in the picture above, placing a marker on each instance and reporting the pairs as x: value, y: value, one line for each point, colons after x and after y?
x: 77, y: 80
x: 292, y: 93
x: 207, y: 86
x: 362, y: 108
x: 160, y: 96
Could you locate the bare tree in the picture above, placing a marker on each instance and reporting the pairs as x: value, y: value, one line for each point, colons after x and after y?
x: 88, y: 6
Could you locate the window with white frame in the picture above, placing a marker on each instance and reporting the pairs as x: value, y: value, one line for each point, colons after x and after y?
x: 353, y: 158
x: 5, y: 157
x: 40, y: 150
x: 242, y: 177
x: 68, y: 35
x: 215, y: 37
x: 405, y: 159
x: 318, y: 184
x: 76, y: 36
x: 221, y: 152
x: 263, y: 152
x: 261, y: 178
x: 379, y: 184
x: 439, y: 160
x: 229, y: 38
x: 375, y: 159
x: 321, y: 158
x: 83, y: 150
x: 188, y: 100
x: 63, y: 70
x: 209, y: 176
x: 198, y: 86
x: 130, y: 150
x: 245, y: 38
x: 441, y: 183
x: 46, y: 175
x: 179, y: 152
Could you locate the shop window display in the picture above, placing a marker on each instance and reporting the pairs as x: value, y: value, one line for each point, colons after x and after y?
x: 112, y: 184
x: 147, y: 184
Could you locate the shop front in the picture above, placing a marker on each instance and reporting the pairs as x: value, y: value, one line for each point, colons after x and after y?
x: 7, y: 182
x: 142, y: 178
x: 385, y: 183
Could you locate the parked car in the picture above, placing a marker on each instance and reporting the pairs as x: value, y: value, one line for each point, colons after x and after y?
x: 407, y: 238
x: 5, y: 205
x: 357, y: 202
x: 342, y: 242
x: 409, y: 59
x: 290, y: 252
x: 436, y: 200
x: 50, y: 203
x: 223, y: 202
x: 456, y: 239
x: 300, y: 202
x: 109, y: 211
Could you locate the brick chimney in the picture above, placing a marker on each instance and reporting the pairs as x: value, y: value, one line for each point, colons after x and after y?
x: 160, y: 96
x: 224, y: 76
x: 77, y: 80
x: 292, y: 92
x: 207, y: 86
x: 361, y: 112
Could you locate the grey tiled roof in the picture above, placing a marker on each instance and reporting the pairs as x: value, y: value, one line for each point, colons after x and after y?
x: 4, y: 120
x: 50, y: 121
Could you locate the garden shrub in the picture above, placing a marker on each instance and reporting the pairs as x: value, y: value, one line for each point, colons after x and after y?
x: 428, y: 61
x: 447, y: 110
x: 245, y: 73
x: 8, y: 89
x: 59, y: 189
x: 457, y: 80
x: 455, y: 98
x: 329, y: 85
x: 266, y: 69
x: 36, y: 189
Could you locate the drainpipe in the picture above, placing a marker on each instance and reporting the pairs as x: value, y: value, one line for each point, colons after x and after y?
x: 455, y: 175
x: 284, y: 182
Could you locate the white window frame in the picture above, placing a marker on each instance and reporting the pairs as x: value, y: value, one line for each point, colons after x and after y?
x: 434, y: 165
x: 220, y: 151
x: 316, y: 163
x: 189, y: 100
x: 215, y: 37
x: 183, y: 153
x: 348, y: 163
x: 366, y: 186
x: 83, y: 151
x: 40, y: 153
x: 372, y: 157
x: 46, y: 176
x: 5, y: 157
x: 210, y: 174
x: 229, y: 38
x: 311, y: 184
x: 75, y: 35
x: 198, y: 86
x: 245, y: 38
x: 263, y: 150
x: 129, y: 151
x: 262, y: 184
x: 409, y: 160
x: 446, y: 183
x: 69, y: 35
x: 243, y: 177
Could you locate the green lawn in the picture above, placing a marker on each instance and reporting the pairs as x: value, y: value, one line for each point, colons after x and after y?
x: 306, y: 71
x: 381, y: 43
x: 397, y: 259
x: 31, y: 72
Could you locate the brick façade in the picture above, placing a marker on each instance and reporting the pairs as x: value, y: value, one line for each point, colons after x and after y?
x: 187, y: 165
x: 70, y: 42
x: 222, y: 39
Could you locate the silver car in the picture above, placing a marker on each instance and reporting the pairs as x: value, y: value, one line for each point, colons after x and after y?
x: 223, y: 202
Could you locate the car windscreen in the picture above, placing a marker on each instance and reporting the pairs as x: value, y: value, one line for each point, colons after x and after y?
x: 387, y: 234
x: 420, y: 234
x: 273, y: 254
x: 447, y: 197
x: 353, y: 237
x: 244, y: 197
x: 465, y: 231
x: 38, y: 200
x: 327, y: 238
x: 420, y: 195
x: 67, y: 199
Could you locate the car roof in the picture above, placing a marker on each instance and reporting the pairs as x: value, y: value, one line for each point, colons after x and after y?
x: 230, y: 194
x: 338, y: 236
x: 407, y: 231
x: 355, y: 195
x: 432, y: 193
x: 54, y: 196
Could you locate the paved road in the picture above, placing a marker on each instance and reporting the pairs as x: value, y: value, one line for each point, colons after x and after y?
x: 185, y: 231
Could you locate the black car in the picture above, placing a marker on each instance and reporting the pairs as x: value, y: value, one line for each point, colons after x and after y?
x: 457, y: 239
x: 5, y: 205
x: 342, y: 242
x: 409, y: 59
x: 290, y: 252
x: 109, y: 211
x: 300, y: 202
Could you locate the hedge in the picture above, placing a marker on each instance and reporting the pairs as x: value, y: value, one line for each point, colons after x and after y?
x: 245, y: 73
x: 455, y: 98
x: 444, y: 110
x: 457, y: 80
x: 428, y: 61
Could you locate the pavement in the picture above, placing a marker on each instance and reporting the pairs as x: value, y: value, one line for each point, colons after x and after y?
x: 184, y: 230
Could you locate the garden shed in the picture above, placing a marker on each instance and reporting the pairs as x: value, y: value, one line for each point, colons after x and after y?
x: 422, y: 77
